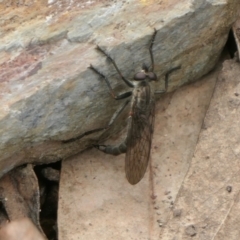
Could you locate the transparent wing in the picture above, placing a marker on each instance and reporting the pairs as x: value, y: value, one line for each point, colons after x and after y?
x: 139, y: 138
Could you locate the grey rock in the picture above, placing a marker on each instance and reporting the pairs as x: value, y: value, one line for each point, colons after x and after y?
x: 48, y: 94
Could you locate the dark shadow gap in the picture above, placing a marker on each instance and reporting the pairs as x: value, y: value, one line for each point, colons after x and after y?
x: 231, y: 45
x: 48, y: 179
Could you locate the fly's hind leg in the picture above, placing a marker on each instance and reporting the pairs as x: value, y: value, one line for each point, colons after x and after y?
x: 112, y: 120
x: 118, y: 149
x: 83, y: 135
x: 121, y: 148
x: 114, y: 149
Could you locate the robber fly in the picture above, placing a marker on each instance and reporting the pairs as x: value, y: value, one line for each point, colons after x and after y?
x: 137, y: 144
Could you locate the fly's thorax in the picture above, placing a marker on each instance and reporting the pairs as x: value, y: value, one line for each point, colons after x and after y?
x: 144, y: 83
x: 142, y: 95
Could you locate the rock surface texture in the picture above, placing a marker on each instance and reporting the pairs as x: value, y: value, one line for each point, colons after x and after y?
x: 47, y: 91
x: 209, y: 195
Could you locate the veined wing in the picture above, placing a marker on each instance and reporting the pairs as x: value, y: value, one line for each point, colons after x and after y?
x: 139, y: 136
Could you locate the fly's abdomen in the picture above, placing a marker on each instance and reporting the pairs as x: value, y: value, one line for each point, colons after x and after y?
x: 114, y: 150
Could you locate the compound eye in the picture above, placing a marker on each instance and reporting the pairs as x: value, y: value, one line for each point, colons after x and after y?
x: 152, y: 76
x: 139, y: 76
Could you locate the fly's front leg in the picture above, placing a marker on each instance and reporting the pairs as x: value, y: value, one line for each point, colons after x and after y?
x: 166, y: 80
x: 129, y: 83
x: 117, y: 97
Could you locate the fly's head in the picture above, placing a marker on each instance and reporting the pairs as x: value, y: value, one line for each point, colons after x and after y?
x: 145, y: 74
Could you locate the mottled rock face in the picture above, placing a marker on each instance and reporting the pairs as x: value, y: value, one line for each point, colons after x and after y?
x: 47, y: 91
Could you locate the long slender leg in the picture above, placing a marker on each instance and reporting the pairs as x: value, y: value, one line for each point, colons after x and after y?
x: 166, y: 80
x: 114, y: 117
x: 117, y: 97
x: 83, y: 134
x: 129, y: 83
x: 117, y: 149
x: 151, y: 69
